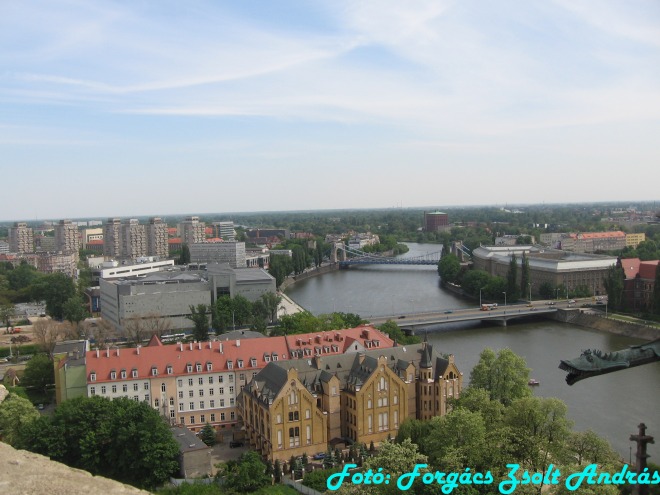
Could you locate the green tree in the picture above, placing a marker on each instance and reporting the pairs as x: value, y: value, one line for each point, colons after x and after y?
x: 512, y: 291
x: 449, y: 268
x: 7, y: 312
x: 208, y: 435
x: 74, y: 310
x: 457, y: 440
x: 505, y: 375
x: 15, y: 414
x: 184, y: 257
x: 121, y: 439
x: 588, y: 447
x: 271, y: 302
x: 546, y: 290
x: 613, y: 283
x: 280, y: 267
x: 39, y: 372
x: 525, y: 283
x: 199, y: 317
x: 248, y: 475
x: 55, y: 289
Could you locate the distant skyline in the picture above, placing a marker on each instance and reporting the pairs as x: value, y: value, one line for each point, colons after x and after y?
x: 152, y: 108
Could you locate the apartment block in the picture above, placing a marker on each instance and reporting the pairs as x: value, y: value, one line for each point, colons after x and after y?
x: 67, y: 237
x: 112, y: 246
x: 133, y: 239
x: 232, y: 253
x: 224, y: 230
x: 21, y: 238
x: 157, y: 238
x: 191, y: 230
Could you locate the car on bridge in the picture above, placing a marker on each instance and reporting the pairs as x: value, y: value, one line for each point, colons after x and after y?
x: 449, y: 311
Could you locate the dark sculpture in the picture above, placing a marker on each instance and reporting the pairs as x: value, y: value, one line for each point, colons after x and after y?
x: 595, y: 362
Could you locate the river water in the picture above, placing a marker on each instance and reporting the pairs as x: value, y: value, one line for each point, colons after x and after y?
x: 612, y: 405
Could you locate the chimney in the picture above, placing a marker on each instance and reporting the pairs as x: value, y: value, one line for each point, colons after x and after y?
x: 107, y: 352
x: 199, y: 346
x: 117, y: 351
x: 210, y: 345
x: 181, y: 346
x: 191, y: 344
x: 138, y: 349
x: 97, y: 353
x: 221, y: 351
x: 238, y: 342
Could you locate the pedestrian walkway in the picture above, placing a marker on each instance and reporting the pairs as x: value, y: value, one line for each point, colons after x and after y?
x: 288, y: 306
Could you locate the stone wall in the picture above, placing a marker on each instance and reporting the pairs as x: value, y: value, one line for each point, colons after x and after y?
x: 577, y: 317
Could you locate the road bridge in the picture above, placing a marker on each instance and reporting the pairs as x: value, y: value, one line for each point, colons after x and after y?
x: 347, y: 256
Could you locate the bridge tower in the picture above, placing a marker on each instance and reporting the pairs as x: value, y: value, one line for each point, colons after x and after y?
x: 337, y: 247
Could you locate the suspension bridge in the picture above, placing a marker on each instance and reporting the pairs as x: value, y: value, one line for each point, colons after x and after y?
x: 347, y: 256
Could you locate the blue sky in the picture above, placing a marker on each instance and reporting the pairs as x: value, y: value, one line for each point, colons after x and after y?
x: 135, y: 108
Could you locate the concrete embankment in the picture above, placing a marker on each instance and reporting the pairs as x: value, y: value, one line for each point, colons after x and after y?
x: 594, y: 322
x: 308, y: 274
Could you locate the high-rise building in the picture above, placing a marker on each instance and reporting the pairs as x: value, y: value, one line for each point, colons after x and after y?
x: 112, y: 238
x: 219, y: 252
x: 21, y: 238
x: 157, y: 238
x: 224, y: 230
x: 133, y: 239
x: 67, y: 237
x: 191, y: 230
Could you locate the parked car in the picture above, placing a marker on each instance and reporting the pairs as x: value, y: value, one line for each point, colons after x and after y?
x: 572, y: 301
x: 235, y: 443
x: 319, y: 456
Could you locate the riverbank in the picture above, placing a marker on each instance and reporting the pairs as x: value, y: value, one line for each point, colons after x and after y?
x: 308, y: 274
x: 603, y: 324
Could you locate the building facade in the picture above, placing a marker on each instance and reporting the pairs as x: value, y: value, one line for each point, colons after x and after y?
x: 435, y: 221
x: 224, y: 230
x: 191, y: 230
x: 133, y: 239
x: 67, y: 237
x: 157, y: 238
x: 21, y: 238
x: 232, y: 253
x: 112, y: 247
x: 363, y: 396
x: 554, y: 267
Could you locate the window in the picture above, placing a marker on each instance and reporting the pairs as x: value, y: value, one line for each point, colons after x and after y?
x: 180, y: 382
x: 192, y: 406
x: 169, y: 370
x: 182, y: 420
x: 156, y: 402
x: 162, y: 387
x: 136, y: 398
x: 231, y: 378
x: 267, y: 358
x: 212, y: 417
x: 190, y: 382
x: 92, y: 390
x: 180, y: 406
x: 145, y: 385
x: 114, y: 389
x: 222, y: 402
x: 396, y: 419
x: 231, y: 402
x: 135, y: 387
x: 308, y: 414
x: 192, y: 420
x: 293, y: 397
x: 232, y: 416
x: 198, y: 368
x: 395, y: 400
x: 221, y: 379
x: 279, y: 419
x: 210, y: 380
x: 189, y: 368
x: 274, y: 357
x: 134, y: 373
x: 222, y: 390
x: 201, y: 392
x: 124, y: 388
x: 293, y: 416
x: 171, y: 401
x: 201, y: 404
x: 369, y: 404
x: 202, y: 419
x: 180, y: 394
x: 253, y: 362
x: 154, y: 371
x: 230, y: 365
x: 172, y: 414
x: 92, y: 377
x: 370, y: 424
x: 146, y: 398
x: 200, y: 381
x: 103, y: 389
x: 209, y: 366
x: 279, y: 439
x: 254, y: 373
x: 211, y: 391
x: 242, y: 377
x: 222, y: 416
x: 231, y: 389
x: 113, y: 375
x: 240, y: 363
x: 211, y: 403
x: 123, y: 374
x: 309, y: 435
x: 191, y: 393
x: 294, y: 437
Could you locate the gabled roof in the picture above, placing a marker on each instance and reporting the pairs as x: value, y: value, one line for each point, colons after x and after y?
x: 647, y: 269
x: 630, y: 267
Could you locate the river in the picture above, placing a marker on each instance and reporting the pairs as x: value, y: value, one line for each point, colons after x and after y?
x: 612, y: 405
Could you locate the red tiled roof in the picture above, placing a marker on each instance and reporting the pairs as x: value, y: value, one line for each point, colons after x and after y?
x: 171, y: 231
x: 365, y: 335
x: 178, y: 356
x: 214, y: 239
x: 208, y: 230
x: 647, y: 269
x: 95, y: 242
x: 630, y: 267
x: 174, y: 240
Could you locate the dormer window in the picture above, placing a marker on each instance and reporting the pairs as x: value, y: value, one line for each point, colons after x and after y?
x: 92, y: 377
x: 169, y: 369
x: 240, y: 363
x: 123, y: 374
x: 267, y: 358
x: 189, y: 368
x: 230, y: 364
x: 274, y: 357
x: 335, y: 348
x: 154, y: 370
x: 134, y: 373
x: 198, y: 367
x: 113, y: 375
x: 253, y: 362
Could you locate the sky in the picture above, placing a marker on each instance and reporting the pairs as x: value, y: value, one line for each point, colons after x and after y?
x: 130, y: 108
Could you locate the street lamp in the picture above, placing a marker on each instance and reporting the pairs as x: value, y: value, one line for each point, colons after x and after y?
x: 557, y: 292
x: 530, y: 291
x: 480, y: 289
x: 504, y: 292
